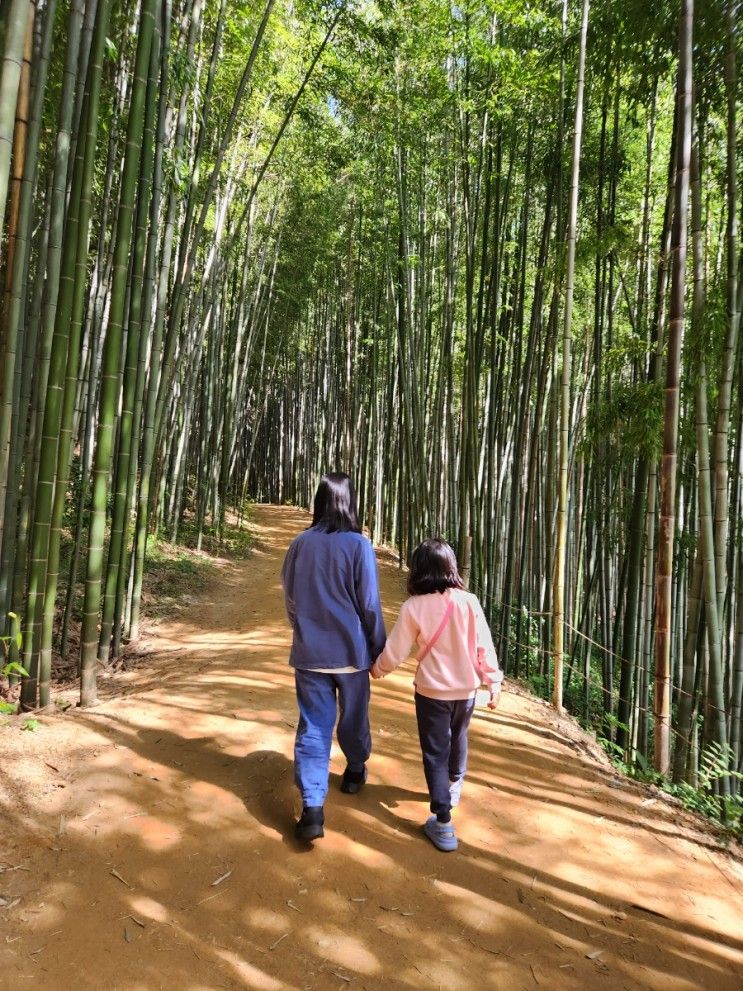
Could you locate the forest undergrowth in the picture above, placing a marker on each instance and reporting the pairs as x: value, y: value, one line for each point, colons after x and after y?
x: 174, y: 575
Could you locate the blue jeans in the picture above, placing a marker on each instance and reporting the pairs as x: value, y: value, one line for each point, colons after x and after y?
x: 442, y: 729
x: 319, y: 697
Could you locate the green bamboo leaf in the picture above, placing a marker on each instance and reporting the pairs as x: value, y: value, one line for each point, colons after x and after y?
x: 15, y: 668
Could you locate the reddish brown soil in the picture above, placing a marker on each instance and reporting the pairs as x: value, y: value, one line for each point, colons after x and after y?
x: 149, y: 840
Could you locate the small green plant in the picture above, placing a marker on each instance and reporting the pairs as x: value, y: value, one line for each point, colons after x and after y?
x: 715, y: 763
x: 11, y: 668
x: 15, y: 638
x: 31, y: 725
x: 616, y: 753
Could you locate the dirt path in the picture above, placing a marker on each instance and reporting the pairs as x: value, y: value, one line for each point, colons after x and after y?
x: 149, y: 840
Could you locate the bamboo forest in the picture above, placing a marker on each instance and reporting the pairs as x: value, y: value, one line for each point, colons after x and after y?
x: 481, y: 261
x: 484, y: 256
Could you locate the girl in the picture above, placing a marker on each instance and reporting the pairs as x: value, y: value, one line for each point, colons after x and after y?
x: 457, y: 656
x: 332, y: 600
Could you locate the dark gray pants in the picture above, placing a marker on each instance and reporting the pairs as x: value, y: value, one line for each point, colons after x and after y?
x: 442, y: 729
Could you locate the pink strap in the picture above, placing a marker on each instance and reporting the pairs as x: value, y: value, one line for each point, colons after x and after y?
x: 439, y: 630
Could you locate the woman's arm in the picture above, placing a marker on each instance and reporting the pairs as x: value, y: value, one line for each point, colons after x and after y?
x: 287, y: 581
x: 367, y: 593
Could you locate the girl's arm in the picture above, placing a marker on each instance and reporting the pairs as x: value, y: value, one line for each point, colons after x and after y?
x: 487, y: 660
x: 399, y: 644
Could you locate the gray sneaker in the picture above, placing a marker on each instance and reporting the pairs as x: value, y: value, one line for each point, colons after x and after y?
x: 441, y: 834
x: 455, y: 791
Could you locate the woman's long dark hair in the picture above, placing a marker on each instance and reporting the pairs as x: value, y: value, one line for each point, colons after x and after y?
x: 433, y: 568
x: 335, y: 504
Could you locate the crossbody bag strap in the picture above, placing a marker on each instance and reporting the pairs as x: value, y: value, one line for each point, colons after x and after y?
x: 439, y: 630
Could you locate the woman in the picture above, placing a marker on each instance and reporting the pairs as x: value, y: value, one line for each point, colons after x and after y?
x: 332, y: 600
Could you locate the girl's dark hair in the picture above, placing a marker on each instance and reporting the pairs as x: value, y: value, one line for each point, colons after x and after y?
x: 335, y: 504
x: 433, y: 568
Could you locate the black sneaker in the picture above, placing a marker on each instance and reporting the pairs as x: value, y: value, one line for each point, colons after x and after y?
x: 353, y: 781
x: 310, y: 825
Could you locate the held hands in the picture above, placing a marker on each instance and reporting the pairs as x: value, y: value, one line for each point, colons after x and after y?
x: 375, y: 672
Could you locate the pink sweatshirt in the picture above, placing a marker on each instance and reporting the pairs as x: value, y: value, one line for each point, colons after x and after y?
x: 462, y: 658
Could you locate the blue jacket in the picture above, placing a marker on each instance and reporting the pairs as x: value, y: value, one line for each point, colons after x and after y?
x: 332, y: 600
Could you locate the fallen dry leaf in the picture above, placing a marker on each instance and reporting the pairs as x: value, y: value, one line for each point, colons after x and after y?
x: 120, y: 878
